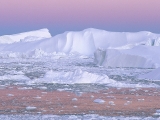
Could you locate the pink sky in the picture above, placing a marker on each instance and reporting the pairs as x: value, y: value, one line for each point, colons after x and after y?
x: 63, y: 15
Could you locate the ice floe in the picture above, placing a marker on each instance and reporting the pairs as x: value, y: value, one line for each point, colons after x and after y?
x: 100, y: 101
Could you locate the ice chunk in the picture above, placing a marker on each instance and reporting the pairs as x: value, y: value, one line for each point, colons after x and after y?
x: 10, y: 95
x: 100, y: 101
x: 111, y: 103
x: 74, y: 99
x: 30, y: 108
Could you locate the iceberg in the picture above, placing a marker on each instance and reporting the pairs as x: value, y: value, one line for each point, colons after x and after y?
x: 26, y: 36
x: 78, y: 76
x: 109, y: 49
x: 84, y: 42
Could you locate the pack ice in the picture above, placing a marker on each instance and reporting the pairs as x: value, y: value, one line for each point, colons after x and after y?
x: 110, y: 49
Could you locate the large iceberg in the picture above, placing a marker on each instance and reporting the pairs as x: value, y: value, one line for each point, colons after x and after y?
x: 110, y: 49
x: 84, y: 42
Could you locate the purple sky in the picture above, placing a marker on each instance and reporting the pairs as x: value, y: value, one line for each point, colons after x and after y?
x: 65, y: 15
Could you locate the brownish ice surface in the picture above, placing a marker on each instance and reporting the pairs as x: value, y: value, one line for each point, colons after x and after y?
x: 124, y: 101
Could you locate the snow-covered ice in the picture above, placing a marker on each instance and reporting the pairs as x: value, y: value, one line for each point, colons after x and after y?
x: 26, y: 36
x: 83, y: 42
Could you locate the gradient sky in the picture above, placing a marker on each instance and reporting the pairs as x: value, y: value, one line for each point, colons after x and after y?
x: 69, y: 15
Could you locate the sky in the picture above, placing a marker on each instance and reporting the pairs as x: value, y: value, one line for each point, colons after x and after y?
x: 74, y: 15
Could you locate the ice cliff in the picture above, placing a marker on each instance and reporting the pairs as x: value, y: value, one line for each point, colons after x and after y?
x: 139, y: 56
